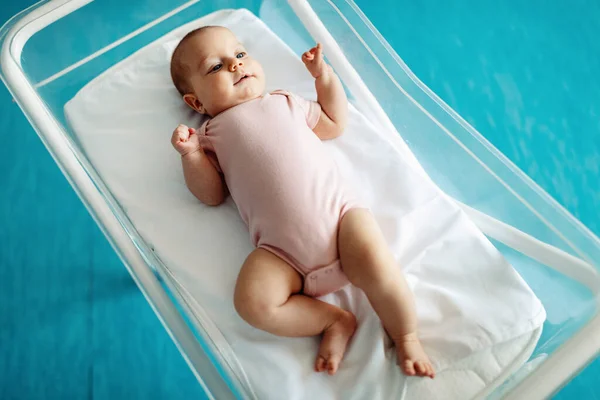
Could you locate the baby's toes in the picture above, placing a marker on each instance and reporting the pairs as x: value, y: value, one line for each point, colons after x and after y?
x: 321, y: 364
x: 420, y: 368
x: 332, y: 366
x: 408, y: 367
x: 430, y: 371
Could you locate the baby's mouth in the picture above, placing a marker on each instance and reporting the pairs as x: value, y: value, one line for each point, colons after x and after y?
x: 243, y: 78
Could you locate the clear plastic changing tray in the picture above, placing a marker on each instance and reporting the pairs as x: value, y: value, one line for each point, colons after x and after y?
x: 53, y: 49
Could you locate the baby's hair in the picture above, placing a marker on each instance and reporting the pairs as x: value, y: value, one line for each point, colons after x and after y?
x: 179, y: 70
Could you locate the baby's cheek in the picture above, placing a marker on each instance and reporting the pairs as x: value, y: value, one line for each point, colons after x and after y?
x: 220, y: 93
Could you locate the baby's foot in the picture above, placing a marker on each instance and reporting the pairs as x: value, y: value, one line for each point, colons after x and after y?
x: 412, y: 358
x: 334, y: 342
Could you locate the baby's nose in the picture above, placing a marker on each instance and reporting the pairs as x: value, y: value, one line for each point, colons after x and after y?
x: 235, y: 64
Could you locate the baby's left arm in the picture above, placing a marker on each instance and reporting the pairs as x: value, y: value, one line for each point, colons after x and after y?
x: 330, y: 95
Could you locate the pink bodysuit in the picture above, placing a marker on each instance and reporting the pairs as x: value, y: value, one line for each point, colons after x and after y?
x: 284, y: 182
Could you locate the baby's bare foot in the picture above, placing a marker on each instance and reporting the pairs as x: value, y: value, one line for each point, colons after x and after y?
x: 334, y: 342
x: 412, y: 358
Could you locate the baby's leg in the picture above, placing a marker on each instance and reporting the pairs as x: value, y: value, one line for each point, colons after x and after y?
x: 370, y: 265
x: 266, y: 296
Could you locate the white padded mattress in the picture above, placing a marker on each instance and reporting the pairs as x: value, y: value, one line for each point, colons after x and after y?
x: 479, y: 320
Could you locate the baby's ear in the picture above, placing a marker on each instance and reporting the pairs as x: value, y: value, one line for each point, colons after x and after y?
x: 195, y: 104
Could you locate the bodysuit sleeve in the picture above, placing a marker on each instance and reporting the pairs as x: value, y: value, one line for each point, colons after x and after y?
x: 207, y: 146
x: 311, y: 109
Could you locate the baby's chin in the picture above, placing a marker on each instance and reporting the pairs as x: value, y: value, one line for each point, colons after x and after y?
x: 251, y: 88
x: 249, y: 92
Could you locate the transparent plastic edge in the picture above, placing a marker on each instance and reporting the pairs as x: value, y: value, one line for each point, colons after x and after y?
x: 464, y: 125
x: 550, y: 256
x: 558, y: 369
x: 15, y: 34
x: 471, y: 130
x: 203, y: 323
x: 114, y: 44
x: 36, y: 18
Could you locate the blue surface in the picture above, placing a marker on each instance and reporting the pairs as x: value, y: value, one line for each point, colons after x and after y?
x: 72, y: 323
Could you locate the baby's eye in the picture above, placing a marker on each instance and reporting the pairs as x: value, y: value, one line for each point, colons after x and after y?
x: 216, y: 68
x: 241, y: 54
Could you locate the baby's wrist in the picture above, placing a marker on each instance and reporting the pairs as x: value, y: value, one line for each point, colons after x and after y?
x: 325, y: 74
x: 189, y: 152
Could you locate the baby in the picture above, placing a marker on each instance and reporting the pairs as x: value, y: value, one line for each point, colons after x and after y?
x: 312, y: 236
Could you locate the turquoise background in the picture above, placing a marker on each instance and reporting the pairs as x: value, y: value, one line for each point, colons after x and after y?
x: 72, y: 323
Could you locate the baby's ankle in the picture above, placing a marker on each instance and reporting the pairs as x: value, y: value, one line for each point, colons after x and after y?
x: 410, y: 337
x: 344, y: 317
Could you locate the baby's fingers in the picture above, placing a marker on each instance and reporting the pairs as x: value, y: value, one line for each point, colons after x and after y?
x: 180, y: 128
x: 176, y: 135
x: 319, y: 52
x: 183, y: 133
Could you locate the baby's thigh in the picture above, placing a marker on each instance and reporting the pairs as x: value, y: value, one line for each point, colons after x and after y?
x: 360, y: 234
x: 266, y: 280
x: 364, y: 252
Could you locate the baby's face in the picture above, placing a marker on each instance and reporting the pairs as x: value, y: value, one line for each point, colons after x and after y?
x: 222, y: 75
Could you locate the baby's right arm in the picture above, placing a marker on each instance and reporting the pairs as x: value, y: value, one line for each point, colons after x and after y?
x: 201, y: 176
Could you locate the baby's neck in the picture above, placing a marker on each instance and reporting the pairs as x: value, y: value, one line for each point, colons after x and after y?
x: 236, y: 105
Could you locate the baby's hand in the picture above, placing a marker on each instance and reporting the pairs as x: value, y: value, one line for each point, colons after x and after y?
x: 185, y: 140
x: 313, y: 60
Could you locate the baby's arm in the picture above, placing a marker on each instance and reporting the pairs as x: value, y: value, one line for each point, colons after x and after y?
x: 330, y: 95
x: 201, y: 176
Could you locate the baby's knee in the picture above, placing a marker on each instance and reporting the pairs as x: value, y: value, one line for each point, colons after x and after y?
x: 372, y: 267
x: 253, y: 306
